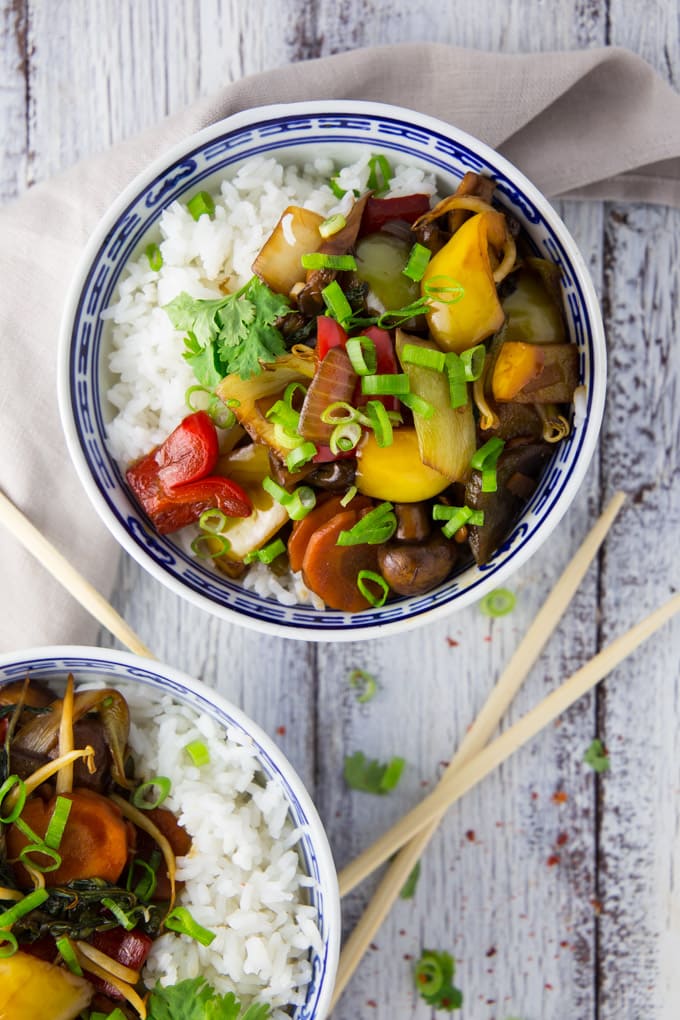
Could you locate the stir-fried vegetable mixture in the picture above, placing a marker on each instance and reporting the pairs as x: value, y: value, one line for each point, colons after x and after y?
x: 87, y: 863
x: 376, y: 404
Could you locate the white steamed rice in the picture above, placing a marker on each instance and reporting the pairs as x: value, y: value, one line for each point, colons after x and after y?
x: 150, y: 376
x: 243, y: 877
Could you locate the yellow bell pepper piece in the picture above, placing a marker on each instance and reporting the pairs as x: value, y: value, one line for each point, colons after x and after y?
x: 248, y: 465
x: 465, y: 262
x: 30, y: 987
x: 516, y: 365
x: 396, y: 472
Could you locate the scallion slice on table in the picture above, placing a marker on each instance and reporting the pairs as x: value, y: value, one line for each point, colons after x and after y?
x: 499, y: 602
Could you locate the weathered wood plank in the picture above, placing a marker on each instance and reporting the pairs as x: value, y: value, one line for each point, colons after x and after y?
x: 13, y: 96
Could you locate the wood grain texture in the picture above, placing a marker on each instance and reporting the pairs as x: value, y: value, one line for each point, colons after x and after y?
x: 556, y: 907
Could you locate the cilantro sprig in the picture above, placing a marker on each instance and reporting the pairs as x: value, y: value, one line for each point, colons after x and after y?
x: 230, y: 334
x: 195, y: 999
x: 433, y: 977
x: 370, y: 776
x: 596, y: 756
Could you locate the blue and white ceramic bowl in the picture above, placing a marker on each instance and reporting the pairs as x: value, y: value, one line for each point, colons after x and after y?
x: 341, y: 130
x: 114, y: 668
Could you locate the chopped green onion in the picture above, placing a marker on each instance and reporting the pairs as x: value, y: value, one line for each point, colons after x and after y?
x: 392, y: 774
x: 221, y: 411
x: 380, y: 174
x: 485, y: 459
x: 212, y: 520
x: 428, y: 976
x: 331, y: 416
x: 68, y: 955
x: 210, y: 546
x: 473, y: 362
x: 418, y: 258
x: 267, y: 554
x: 349, y: 496
x: 375, y: 527
x: 153, y: 253
x: 438, y: 288
x: 201, y: 204
x: 424, y: 357
x: 398, y: 316
x: 380, y: 422
x: 336, y: 302
x: 57, y: 823
x: 301, y: 501
x: 139, y: 797
x: 335, y: 188
x: 39, y: 848
x: 281, y: 413
x: 117, y: 1014
x: 198, y: 752
x: 290, y: 391
x: 189, y: 398
x: 332, y: 225
x: 288, y: 440
x: 456, y: 517
x: 423, y: 408
x: 499, y: 602
x: 345, y: 437
x: 596, y: 756
x: 180, y: 920
x: 458, y: 391
x: 25, y: 906
x: 300, y: 456
x: 367, y: 683
x: 123, y: 919
x: 319, y: 260
x: 146, y: 886
x: 393, y: 384
x: 8, y: 944
x: 366, y: 577
x: 5, y: 789
x: 361, y: 353
x: 275, y: 490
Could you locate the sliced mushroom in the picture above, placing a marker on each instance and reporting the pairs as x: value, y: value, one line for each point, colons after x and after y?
x: 412, y: 568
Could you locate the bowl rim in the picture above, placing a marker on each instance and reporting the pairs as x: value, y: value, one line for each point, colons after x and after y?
x: 144, y: 668
x: 355, y: 630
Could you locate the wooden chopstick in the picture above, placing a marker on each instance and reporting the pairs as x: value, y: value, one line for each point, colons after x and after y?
x: 451, y: 789
x: 477, y: 736
x: 60, y: 568
x: 524, y: 657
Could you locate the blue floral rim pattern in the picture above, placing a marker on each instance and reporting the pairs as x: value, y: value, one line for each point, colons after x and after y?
x: 293, y: 138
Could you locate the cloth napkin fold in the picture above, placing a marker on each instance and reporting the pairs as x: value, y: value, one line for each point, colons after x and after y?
x: 588, y: 124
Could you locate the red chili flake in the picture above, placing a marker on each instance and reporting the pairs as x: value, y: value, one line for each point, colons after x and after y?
x: 470, y: 835
x: 281, y: 730
x: 444, y: 764
x: 424, y: 782
x: 372, y: 1003
x: 408, y: 956
x: 562, y: 838
x: 373, y: 946
x: 451, y: 643
x: 553, y: 860
x: 492, y: 951
x: 534, y: 795
x: 549, y: 987
x: 597, y: 906
x: 488, y: 639
x: 560, y: 797
x: 564, y: 944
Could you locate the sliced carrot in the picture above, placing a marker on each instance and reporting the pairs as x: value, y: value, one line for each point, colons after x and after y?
x: 94, y: 843
x: 326, y: 507
x: 331, y: 570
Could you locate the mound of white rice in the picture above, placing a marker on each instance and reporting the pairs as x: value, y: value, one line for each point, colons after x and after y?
x: 199, y: 257
x: 243, y: 875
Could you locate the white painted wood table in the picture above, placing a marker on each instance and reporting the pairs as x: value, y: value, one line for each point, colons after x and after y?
x: 556, y: 889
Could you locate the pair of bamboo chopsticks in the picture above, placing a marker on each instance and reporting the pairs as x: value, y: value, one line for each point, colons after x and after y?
x: 472, y: 762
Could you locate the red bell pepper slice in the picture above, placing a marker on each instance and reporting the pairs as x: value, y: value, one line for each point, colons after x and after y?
x: 329, y: 333
x: 173, y: 483
x: 386, y: 364
x: 379, y: 211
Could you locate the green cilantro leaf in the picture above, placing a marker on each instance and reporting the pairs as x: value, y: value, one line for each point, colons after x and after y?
x: 371, y: 776
x: 596, y: 756
x: 194, y: 999
x: 433, y: 977
x: 409, y: 887
x: 230, y: 334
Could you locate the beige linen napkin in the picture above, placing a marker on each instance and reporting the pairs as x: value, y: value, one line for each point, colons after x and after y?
x: 592, y: 124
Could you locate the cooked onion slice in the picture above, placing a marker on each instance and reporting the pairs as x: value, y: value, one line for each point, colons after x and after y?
x: 142, y: 821
x: 122, y: 978
x: 65, y: 774
x: 334, y: 380
x: 48, y: 770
